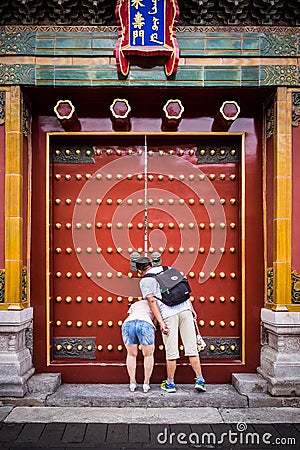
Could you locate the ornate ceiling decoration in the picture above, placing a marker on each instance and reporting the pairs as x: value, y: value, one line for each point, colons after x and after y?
x: 192, y: 12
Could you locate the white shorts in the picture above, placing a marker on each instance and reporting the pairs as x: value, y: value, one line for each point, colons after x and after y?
x: 184, y: 323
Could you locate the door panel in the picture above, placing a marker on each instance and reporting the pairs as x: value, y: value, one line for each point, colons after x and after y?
x: 109, y: 196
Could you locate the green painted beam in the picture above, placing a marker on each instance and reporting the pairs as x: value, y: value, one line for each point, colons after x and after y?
x: 49, y: 43
x: 106, y: 75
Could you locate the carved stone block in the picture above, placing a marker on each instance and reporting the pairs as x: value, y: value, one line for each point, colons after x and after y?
x: 280, y: 352
x: 15, y: 359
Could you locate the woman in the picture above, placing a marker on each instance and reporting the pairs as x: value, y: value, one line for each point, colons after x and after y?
x: 138, y: 328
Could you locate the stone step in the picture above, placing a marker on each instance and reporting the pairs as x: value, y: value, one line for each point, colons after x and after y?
x: 118, y: 395
x: 113, y: 395
x: 44, y: 383
x: 249, y: 383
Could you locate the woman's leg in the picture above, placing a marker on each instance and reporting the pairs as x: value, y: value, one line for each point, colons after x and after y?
x: 148, y: 351
x: 132, y: 351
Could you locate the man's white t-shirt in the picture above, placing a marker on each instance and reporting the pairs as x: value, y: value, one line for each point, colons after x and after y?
x: 149, y: 285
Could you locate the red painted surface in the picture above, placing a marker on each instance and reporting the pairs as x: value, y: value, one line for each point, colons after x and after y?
x: 296, y: 192
x: 198, y: 117
x: 2, y: 190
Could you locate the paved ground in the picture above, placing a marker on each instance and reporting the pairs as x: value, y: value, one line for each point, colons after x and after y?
x: 149, y: 428
x: 111, y: 417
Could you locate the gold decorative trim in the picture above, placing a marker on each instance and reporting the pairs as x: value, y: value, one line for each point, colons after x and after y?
x: 282, y: 229
x: 13, y: 200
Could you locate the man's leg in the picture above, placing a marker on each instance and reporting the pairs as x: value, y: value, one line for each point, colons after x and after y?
x: 189, y: 340
x: 196, y: 365
x: 171, y: 368
x: 171, y: 347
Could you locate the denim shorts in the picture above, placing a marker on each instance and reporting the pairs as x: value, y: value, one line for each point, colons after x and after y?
x: 138, y: 331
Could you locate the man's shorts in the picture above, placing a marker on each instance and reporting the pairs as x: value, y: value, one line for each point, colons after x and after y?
x: 138, y: 331
x: 184, y: 323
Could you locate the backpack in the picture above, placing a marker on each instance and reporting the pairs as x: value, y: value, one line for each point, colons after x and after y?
x: 174, y: 287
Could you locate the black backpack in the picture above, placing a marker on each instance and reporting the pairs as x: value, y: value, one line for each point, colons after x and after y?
x: 174, y: 287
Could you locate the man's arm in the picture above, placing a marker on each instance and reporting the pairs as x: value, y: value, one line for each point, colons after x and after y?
x: 156, y: 312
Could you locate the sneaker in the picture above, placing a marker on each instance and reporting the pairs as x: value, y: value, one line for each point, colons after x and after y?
x: 146, y: 387
x: 132, y: 387
x: 200, y: 385
x: 168, y: 387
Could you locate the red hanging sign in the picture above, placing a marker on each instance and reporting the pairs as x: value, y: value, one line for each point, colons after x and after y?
x: 147, y: 34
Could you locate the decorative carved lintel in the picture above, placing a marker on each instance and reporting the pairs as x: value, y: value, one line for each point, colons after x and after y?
x: 221, y: 347
x: 270, y: 120
x: 26, y: 116
x: 2, y: 285
x: 296, y: 109
x: 74, y: 347
x: 207, y: 13
x: 2, y: 107
x: 295, y: 287
x: 270, y: 275
x: 217, y: 153
x: 71, y: 154
x: 24, y: 284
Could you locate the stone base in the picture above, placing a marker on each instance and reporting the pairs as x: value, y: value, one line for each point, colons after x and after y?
x: 280, y: 352
x: 15, y: 359
x: 15, y: 386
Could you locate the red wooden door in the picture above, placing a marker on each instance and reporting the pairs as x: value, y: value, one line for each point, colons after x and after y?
x: 111, y: 195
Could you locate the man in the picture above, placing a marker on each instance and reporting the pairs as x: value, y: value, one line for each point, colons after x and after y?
x: 171, y: 319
